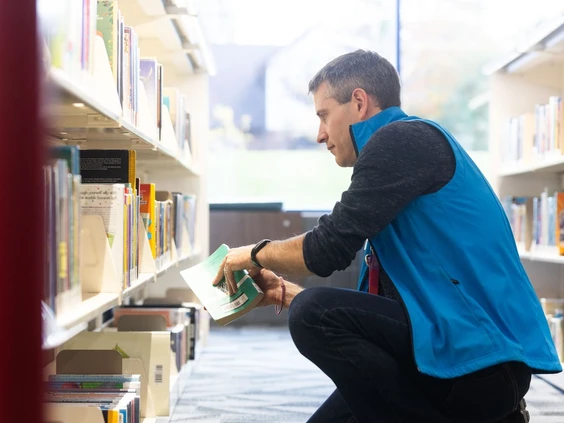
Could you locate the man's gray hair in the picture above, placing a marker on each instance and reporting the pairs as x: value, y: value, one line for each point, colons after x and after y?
x: 360, y: 69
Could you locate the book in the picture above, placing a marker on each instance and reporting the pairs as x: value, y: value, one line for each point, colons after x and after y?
x: 120, y: 63
x: 135, y: 75
x: 108, y: 25
x: 147, y: 209
x: 127, y: 103
x: 189, y: 217
x: 223, y: 308
x: 165, y: 197
x: 149, y: 78
x: 108, y: 166
x: 108, y: 201
x: 160, y: 99
x: 175, y: 101
x: 69, y: 225
x: 61, y: 203
x: 177, y: 207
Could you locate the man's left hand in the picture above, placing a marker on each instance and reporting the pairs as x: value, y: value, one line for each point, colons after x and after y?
x: 236, y: 259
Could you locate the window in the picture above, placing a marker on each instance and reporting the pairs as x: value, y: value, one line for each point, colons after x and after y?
x: 263, y: 123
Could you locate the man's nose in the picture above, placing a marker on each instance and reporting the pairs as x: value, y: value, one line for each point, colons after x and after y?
x: 321, y: 136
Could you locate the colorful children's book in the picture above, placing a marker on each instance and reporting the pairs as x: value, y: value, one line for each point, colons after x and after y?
x: 224, y: 308
x: 148, y: 215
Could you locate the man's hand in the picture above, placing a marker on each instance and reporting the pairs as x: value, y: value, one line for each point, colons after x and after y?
x: 270, y: 284
x: 236, y: 259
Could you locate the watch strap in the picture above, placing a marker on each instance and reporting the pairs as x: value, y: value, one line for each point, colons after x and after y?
x: 258, y: 246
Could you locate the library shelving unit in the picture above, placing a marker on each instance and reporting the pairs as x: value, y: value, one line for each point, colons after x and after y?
x: 527, y: 154
x: 83, y: 108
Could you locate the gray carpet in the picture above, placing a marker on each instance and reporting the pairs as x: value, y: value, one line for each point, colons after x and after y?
x: 247, y: 375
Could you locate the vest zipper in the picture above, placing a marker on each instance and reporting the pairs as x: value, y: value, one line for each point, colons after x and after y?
x: 373, y: 250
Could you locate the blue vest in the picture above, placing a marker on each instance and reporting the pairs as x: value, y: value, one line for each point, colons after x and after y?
x: 453, y: 259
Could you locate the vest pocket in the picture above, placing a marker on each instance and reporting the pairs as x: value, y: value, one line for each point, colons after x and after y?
x: 473, y: 339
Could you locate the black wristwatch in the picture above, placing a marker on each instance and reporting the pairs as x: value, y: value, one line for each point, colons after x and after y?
x: 259, y: 246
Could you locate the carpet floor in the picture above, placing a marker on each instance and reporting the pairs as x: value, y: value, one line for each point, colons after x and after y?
x: 247, y: 375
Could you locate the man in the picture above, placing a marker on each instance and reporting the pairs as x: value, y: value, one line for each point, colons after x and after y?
x: 445, y: 325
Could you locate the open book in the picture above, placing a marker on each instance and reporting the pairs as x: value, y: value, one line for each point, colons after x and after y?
x: 223, y: 308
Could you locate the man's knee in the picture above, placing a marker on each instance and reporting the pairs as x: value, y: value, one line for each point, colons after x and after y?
x: 306, y: 312
x: 308, y: 306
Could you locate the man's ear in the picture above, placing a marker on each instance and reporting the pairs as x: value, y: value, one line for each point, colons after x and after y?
x: 361, y: 102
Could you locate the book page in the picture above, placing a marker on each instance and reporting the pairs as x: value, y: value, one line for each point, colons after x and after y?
x: 104, y: 201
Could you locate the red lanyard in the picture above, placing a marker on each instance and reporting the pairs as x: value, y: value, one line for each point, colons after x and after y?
x: 373, y: 272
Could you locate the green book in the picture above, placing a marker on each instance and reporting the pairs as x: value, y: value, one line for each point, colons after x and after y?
x: 223, y: 308
x: 107, y: 25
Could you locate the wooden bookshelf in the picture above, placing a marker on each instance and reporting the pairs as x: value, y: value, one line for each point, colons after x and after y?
x: 521, y: 84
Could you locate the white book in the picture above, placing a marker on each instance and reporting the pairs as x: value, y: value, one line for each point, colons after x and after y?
x: 108, y: 202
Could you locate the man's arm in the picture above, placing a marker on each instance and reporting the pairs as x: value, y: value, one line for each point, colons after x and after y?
x: 284, y: 257
x: 402, y: 161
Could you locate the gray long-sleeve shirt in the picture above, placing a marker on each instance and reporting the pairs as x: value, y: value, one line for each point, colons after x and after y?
x: 401, y: 161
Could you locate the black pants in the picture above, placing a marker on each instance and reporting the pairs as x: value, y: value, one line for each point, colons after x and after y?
x: 362, y: 342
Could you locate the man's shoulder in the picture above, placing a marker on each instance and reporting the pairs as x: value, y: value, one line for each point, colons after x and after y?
x: 408, y: 138
x: 408, y: 128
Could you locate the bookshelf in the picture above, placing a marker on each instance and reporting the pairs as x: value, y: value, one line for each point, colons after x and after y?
x: 527, y: 148
x: 85, y: 119
x: 96, y: 99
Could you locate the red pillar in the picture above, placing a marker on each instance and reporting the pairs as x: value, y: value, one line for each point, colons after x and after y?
x: 21, y: 240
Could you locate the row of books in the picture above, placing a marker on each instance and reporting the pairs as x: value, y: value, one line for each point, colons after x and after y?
x: 61, y: 205
x: 176, y: 102
x: 537, y: 222
x: 536, y: 134
x: 117, y: 396
x: 181, y: 320
x: 103, y: 183
x: 148, y: 343
x: 70, y: 31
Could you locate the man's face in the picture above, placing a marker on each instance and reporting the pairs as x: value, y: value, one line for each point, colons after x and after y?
x: 334, y: 122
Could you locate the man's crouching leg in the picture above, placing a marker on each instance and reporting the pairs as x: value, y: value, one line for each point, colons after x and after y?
x: 362, y: 342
